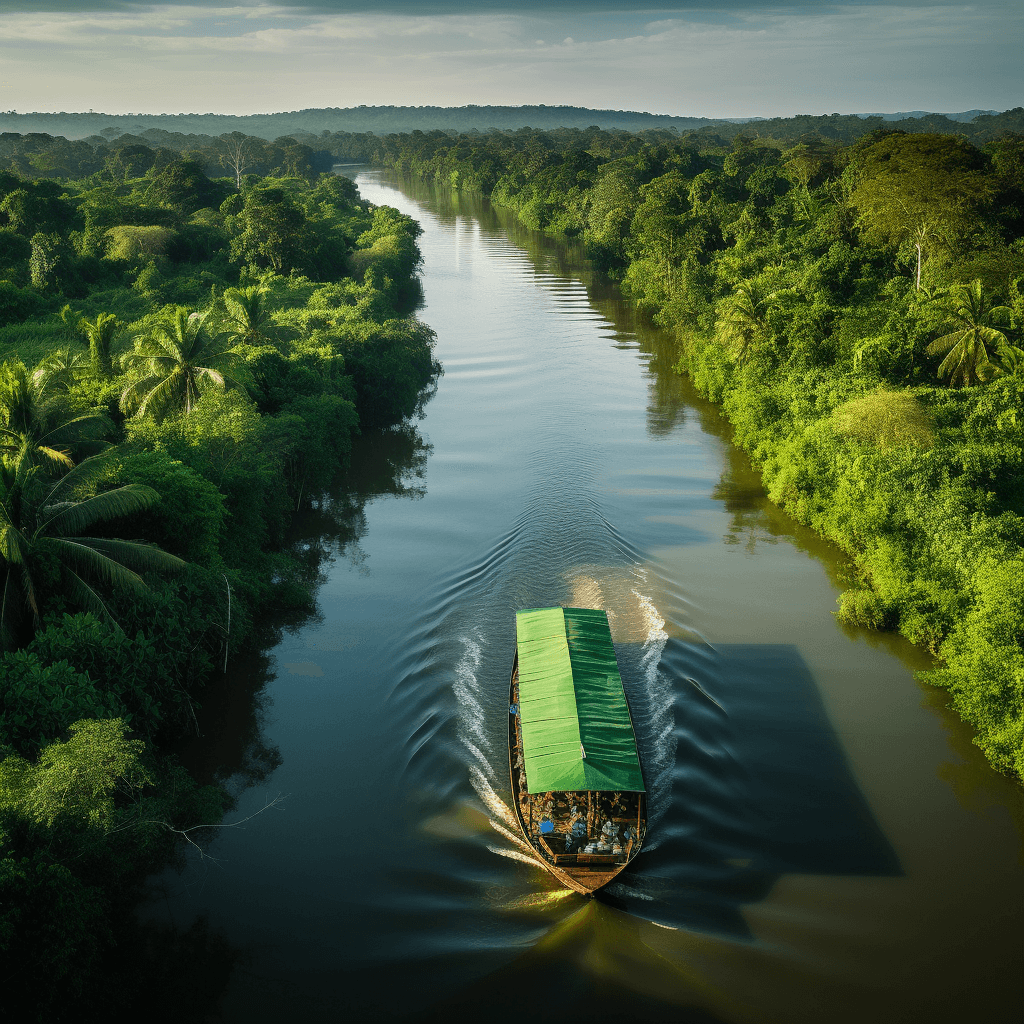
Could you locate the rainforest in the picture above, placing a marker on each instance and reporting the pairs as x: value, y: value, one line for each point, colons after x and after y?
x: 206, y: 342
x: 184, y: 363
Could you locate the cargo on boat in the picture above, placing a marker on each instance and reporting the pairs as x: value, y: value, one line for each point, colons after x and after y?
x: 577, y: 783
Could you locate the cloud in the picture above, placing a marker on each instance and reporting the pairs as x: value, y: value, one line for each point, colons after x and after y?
x: 430, y: 8
x: 729, y: 60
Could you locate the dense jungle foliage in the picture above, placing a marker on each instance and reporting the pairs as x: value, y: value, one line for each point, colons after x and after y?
x: 857, y: 310
x: 184, y: 362
x: 274, y: 145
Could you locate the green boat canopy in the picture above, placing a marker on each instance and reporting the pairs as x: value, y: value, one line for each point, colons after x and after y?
x: 577, y: 733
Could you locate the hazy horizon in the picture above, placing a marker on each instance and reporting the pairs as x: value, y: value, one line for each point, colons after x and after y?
x: 511, y: 106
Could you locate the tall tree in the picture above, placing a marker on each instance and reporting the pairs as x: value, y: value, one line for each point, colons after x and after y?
x: 273, y: 233
x: 901, y: 181
x: 237, y: 153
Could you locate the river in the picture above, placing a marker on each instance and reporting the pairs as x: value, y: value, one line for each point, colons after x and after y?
x: 825, y: 842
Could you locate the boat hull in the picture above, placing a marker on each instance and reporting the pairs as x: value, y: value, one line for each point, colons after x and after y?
x: 553, y: 823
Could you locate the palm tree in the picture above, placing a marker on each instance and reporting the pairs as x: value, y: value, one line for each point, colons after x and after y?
x: 975, y: 339
x: 69, y: 323
x: 41, y: 526
x: 746, y: 316
x: 101, y: 334
x: 37, y: 424
x: 248, y: 319
x: 177, y: 358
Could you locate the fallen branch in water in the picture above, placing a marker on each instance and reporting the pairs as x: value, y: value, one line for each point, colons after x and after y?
x: 184, y: 832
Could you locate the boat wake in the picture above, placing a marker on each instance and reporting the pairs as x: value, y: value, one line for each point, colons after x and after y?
x: 472, y: 716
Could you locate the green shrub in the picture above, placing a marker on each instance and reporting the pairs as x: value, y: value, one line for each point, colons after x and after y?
x: 19, y: 303
x: 134, y: 675
x: 188, y: 520
x: 865, y: 608
x: 984, y: 661
x: 41, y: 697
x: 888, y: 419
x: 134, y: 244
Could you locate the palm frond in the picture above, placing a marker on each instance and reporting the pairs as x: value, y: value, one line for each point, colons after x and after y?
x: 945, y: 343
x: 57, y: 459
x: 84, y: 475
x: 214, y: 375
x: 134, y: 554
x: 57, y: 371
x: 84, y: 596
x: 90, y: 426
x: 953, y: 366
x: 70, y: 518
x: 83, y: 557
x: 14, y: 547
x: 991, y: 335
x: 135, y: 395
x: 166, y: 393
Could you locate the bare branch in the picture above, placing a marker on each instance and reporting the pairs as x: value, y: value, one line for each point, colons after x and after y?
x: 185, y: 832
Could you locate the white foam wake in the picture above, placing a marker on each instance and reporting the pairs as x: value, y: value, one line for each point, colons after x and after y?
x: 472, y: 718
x: 659, y: 718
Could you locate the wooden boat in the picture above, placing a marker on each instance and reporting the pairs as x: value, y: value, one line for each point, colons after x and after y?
x: 577, y: 782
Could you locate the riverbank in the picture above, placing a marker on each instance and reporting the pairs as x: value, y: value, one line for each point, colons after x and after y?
x: 187, y: 364
x: 804, y: 305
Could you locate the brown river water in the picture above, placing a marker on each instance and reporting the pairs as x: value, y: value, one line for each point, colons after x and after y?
x: 825, y: 842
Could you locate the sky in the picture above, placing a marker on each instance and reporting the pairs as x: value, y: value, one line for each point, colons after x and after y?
x: 706, y: 59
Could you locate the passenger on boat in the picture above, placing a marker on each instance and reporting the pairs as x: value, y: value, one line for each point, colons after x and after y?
x: 577, y: 837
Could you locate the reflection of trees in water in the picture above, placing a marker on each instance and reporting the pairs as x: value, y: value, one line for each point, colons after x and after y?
x: 385, y: 463
x: 565, y: 260
x: 160, y: 973
x: 740, y: 490
x: 232, y: 749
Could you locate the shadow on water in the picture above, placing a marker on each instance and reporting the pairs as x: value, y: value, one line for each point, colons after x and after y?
x: 762, y: 789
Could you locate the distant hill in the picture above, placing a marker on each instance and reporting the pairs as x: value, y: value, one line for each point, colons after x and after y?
x: 964, y: 115
x: 846, y: 128
x: 388, y: 120
x: 379, y: 120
